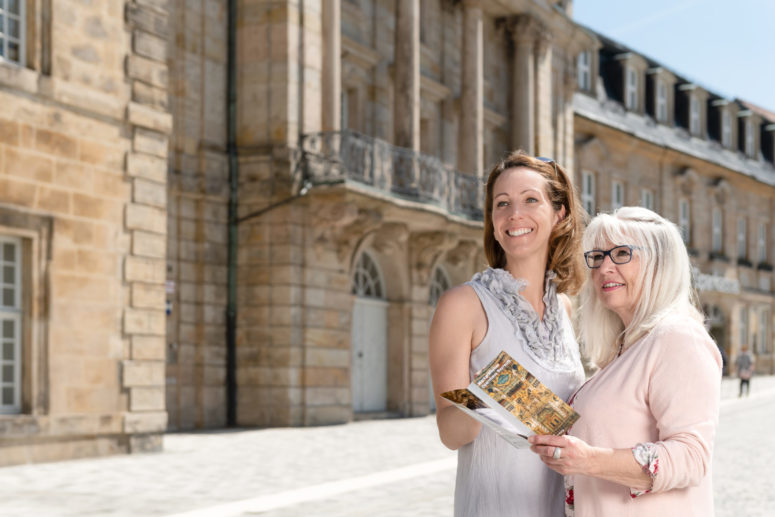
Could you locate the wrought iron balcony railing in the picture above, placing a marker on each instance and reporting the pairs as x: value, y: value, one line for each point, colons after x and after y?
x: 337, y: 156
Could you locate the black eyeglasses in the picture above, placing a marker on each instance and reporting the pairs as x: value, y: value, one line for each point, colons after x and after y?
x: 618, y: 254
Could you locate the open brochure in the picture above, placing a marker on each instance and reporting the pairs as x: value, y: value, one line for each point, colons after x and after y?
x: 508, y: 399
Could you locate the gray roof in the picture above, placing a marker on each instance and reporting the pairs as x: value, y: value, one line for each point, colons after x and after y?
x: 612, y: 114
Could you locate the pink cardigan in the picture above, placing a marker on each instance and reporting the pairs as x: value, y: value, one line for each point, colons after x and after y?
x: 663, y: 389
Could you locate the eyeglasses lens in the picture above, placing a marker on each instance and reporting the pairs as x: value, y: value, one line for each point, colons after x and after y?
x: 619, y: 255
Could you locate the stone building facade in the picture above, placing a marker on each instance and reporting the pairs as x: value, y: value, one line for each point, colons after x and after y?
x: 242, y: 212
x: 646, y: 136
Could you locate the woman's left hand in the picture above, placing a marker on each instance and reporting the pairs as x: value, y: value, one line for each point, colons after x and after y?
x: 563, y: 454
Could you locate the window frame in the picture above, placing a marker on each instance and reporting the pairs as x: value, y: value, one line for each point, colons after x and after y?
x: 717, y: 230
x: 588, y: 191
x: 647, y: 198
x: 761, y: 242
x: 20, y: 39
x: 631, y: 88
x: 764, y: 327
x: 13, y: 313
x: 726, y: 128
x: 685, y: 219
x: 750, y: 145
x: 617, y: 194
x: 742, y: 238
x: 694, y: 115
x: 584, y: 70
x: 661, y: 101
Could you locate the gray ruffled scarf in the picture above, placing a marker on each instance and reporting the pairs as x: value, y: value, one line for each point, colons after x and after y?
x: 544, y: 340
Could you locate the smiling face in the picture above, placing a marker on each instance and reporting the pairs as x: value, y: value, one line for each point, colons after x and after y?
x: 522, y: 214
x: 618, y: 285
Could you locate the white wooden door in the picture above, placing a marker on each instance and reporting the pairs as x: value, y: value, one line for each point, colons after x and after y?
x: 369, y: 355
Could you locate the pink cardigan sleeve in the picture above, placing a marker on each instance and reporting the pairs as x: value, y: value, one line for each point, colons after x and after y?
x: 684, y: 390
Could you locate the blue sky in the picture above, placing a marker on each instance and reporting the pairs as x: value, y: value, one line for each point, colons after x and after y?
x: 728, y: 47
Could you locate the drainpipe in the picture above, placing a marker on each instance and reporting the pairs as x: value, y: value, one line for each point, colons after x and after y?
x: 231, y: 305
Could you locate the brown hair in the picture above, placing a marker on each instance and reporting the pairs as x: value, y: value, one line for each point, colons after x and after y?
x: 565, y: 257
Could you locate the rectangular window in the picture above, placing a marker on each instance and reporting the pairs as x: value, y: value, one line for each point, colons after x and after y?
x: 661, y: 101
x: 588, y: 191
x: 617, y: 195
x: 743, y: 326
x: 583, y: 70
x: 726, y: 129
x: 764, y: 331
x: 10, y: 324
x: 761, y: 243
x: 12, y: 31
x: 717, y: 241
x: 647, y: 199
x: 632, y: 89
x: 742, y: 242
x: 694, y: 115
x: 684, y: 220
x: 749, y: 139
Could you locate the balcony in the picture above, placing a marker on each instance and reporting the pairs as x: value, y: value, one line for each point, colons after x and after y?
x: 342, y: 156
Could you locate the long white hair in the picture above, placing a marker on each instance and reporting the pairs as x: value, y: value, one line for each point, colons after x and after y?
x: 665, y: 280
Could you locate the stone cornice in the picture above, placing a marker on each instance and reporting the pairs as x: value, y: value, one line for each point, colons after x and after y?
x: 358, y: 54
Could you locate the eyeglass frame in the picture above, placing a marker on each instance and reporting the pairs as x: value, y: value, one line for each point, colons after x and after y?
x: 549, y: 160
x: 607, y: 253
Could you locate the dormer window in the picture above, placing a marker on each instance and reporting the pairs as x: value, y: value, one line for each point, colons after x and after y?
x: 583, y: 69
x: 694, y: 115
x: 661, y: 101
x: 631, y: 90
x: 750, y: 149
x: 726, y: 128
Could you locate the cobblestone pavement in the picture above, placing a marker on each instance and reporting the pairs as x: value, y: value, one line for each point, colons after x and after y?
x: 381, y: 468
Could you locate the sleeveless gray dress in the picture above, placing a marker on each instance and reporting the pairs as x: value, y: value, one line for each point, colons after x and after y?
x: 494, y: 478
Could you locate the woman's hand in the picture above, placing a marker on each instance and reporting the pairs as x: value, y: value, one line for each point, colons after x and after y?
x: 570, y: 455
x: 564, y: 454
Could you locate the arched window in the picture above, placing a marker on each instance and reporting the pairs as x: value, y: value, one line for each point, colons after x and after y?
x: 439, y: 284
x: 366, y: 279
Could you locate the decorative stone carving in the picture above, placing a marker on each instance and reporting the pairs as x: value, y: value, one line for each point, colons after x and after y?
x: 390, y: 238
x: 343, y: 225
x: 721, y: 190
x: 687, y: 179
x: 424, y: 248
x: 462, y: 252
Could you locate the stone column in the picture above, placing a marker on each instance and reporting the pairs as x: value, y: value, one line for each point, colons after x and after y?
x: 471, y: 148
x: 406, y: 98
x: 543, y: 95
x: 523, y: 112
x: 332, y: 65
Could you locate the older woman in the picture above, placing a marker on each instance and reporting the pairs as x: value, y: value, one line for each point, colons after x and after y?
x: 643, y: 444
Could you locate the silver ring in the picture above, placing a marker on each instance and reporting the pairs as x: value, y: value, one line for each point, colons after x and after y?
x: 557, y: 453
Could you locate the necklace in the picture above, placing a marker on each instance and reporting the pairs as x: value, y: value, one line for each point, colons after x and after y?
x: 621, y: 347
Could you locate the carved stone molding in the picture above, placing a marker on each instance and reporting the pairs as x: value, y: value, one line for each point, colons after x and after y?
x: 523, y: 28
x: 721, y: 190
x: 462, y: 252
x: 390, y: 238
x: 687, y: 179
x: 424, y: 248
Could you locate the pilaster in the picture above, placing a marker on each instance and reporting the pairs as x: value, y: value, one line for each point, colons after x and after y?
x: 406, y: 99
x: 150, y: 125
x: 471, y: 155
x: 523, y: 31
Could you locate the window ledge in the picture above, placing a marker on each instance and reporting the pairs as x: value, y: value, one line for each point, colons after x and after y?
x: 18, y: 77
x: 715, y: 255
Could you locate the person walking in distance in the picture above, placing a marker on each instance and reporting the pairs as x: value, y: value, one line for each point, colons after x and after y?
x: 745, y: 364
